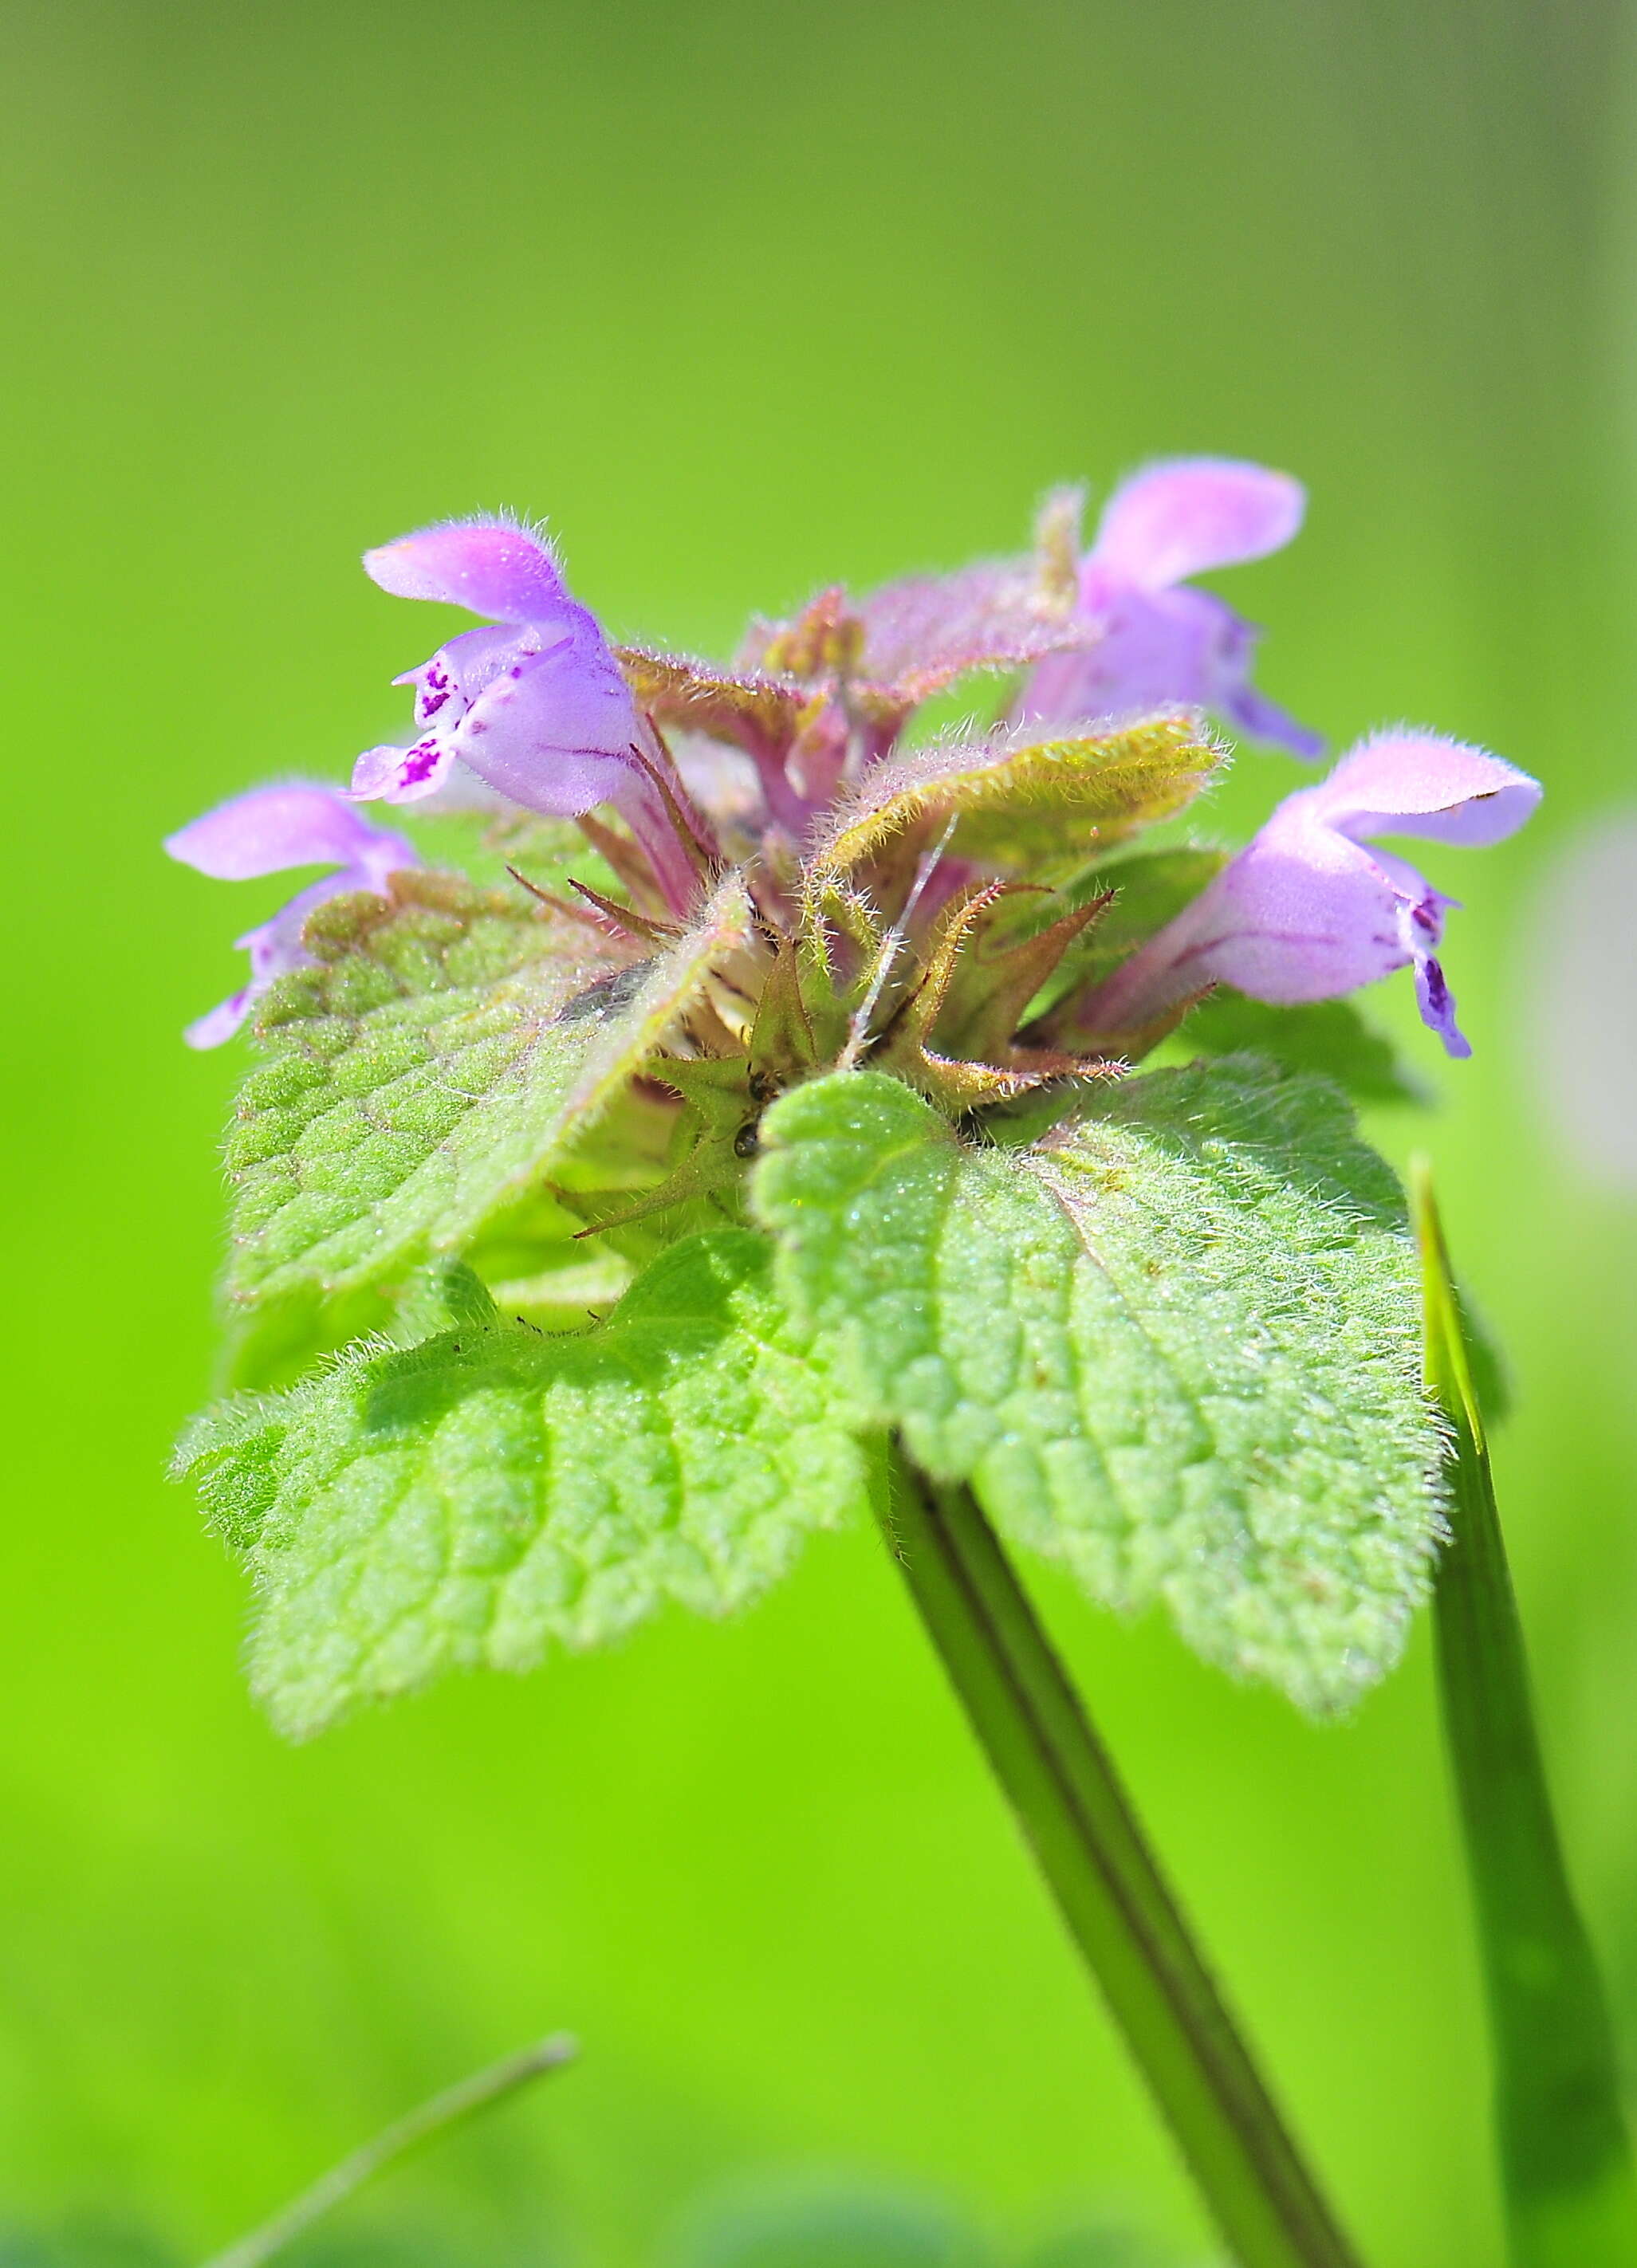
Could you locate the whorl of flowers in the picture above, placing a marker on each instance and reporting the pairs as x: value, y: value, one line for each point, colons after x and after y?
x: 934, y: 910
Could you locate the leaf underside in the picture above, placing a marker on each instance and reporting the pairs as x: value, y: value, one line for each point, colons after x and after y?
x: 1173, y: 1344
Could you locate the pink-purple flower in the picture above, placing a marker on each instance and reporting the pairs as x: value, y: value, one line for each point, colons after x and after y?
x: 534, y: 703
x: 1306, y: 911
x: 1160, y: 641
x: 262, y: 833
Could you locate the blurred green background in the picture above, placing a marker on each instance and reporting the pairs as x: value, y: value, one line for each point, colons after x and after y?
x: 743, y: 298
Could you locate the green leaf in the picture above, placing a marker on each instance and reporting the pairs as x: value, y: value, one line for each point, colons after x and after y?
x: 276, y: 1342
x: 1330, y: 1037
x: 473, y: 1499
x: 1150, y: 889
x: 448, y: 1048
x: 1172, y: 1343
x: 1566, y: 2167
x: 1023, y: 799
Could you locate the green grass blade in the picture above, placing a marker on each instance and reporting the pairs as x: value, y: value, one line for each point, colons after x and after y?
x: 1565, y: 2157
x: 425, y: 2123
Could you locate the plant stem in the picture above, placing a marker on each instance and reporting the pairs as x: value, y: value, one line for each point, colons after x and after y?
x: 435, y: 2117
x: 1119, y: 1912
x: 1566, y: 2158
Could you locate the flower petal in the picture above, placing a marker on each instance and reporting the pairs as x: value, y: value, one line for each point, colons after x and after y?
x: 392, y: 774
x: 295, y: 824
x: 1301, y: 914
x: 385, y: 854
x: 1436, y: 1001
x: 1189, y: 514
x: 1306, y: 912
x: 553, y: 732
x: 1262, y: 719
x: 1155, y: 650
x: 217, y: 1026
x: 1406, y: 783
x: 275, y: 946
x: 1159, y: 649
x: 447, y: 686
x: 492, y: 566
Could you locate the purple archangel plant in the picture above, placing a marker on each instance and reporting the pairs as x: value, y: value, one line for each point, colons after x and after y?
x: 754, y: 1139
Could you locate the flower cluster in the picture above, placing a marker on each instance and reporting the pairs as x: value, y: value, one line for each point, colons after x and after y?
x: 793, y: 762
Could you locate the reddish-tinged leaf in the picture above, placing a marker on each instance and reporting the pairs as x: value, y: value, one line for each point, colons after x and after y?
x: 923, y: 633
x: 759, y: 713
x: 825, y: 640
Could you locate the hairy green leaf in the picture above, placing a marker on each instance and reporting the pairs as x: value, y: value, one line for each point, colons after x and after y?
x: 1330, y: 1037
x: 473, y: 1499
x: 1172, y: 1343
x: 1022, y: 799
x: 446, y: 1049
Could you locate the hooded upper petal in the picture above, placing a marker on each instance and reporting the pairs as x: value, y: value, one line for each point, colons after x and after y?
x: 1189, y: 514
x: 535, y: 705
x: 1157, y: 642
x: 294, y: 824
x: 492, y: 566
x: 1405, y: 783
